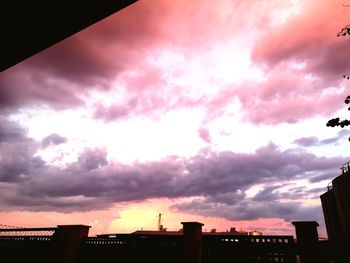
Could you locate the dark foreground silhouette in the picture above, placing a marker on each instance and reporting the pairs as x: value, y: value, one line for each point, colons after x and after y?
x: 71, y: 244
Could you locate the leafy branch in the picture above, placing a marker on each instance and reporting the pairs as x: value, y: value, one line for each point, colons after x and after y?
x: 336, y: 121
x: 344, y: 31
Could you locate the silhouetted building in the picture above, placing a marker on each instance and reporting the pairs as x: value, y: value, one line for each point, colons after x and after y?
x: 336, y: 206
x: 165, y: 232
x: 331, y: 214
x: 307, y: 239
x: 28, y: 27
x: 71, y: 244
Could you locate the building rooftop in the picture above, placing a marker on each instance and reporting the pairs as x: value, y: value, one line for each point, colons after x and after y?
x: 164, y: 231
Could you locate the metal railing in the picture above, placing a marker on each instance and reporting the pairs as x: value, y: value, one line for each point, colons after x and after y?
x: 16, y: 232
x: 345, y: 167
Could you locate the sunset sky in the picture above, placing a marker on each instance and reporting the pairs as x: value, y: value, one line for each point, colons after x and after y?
x: 209, y: 111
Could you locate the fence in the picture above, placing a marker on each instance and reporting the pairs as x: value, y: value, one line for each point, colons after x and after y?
x: 23, y: 244
x: 71, y: 244
x: 132, y: 248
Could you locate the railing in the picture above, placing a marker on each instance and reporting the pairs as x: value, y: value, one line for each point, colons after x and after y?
x: 27, y: 244
x: 329, y: 186
x: 132, y: 248
x: 25, y: 238
x: 216, y: 248
x: 135, y: 248
x: 26, y: 234
x: 134, y: 240
x: 345, y: 167
x: 42, y: 231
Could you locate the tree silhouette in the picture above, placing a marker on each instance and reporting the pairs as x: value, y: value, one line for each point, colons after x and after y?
x: 344, y: 31
x: 336, y: 121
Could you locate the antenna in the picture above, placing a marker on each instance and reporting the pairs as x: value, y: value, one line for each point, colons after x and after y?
x: 160, y: 222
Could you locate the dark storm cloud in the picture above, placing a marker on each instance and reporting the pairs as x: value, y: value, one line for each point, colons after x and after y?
x: 218, y: 180
x: 307, y: 141
x: 275, y: 193
x: 315, y: 141
x: 326, y: 176
x: 10, y: 131
x: 221, y: 178
x: 271, y: 201
x: 17, y: 160
x: 267, y: 194
x: 227, y: 198
x: 53, y: 139
x: 24, y: 85
x: 251, y: 210
x: 92, y: 159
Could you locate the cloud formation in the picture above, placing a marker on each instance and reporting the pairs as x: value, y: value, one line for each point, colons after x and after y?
x: 300, y: 57
x: 53, y: 139
x: 252, y: 210
x: 315, y: 141
x: 159, y: 56
x: 92, y: 59
x: 17, y: 159
x: 306, y: 62
x: 219, y: 179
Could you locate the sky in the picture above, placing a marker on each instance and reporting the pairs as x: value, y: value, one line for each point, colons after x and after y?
x: 208, y: 111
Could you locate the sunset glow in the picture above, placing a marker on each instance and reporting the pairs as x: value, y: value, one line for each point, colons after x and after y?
x: 209, y: 111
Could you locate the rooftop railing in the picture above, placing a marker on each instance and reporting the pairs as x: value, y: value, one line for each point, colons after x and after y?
x: 32, y: 232
x: 345, y: 167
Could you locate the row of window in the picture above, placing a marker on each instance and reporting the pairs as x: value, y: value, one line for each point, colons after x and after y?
x: 259, y: 240
x: 119, y: 242
x: 23, y: 238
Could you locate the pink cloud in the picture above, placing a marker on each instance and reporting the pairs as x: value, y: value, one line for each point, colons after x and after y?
x: 304, y: 35
x: 104, y: 53
x: 308, y: 37
x: 204, y: 134
x: 288, y: 96
x: 125, y: 38
x: 307, y: 41
x: 146, y: 91
x: 91, y: 59
x: 23, y: 85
